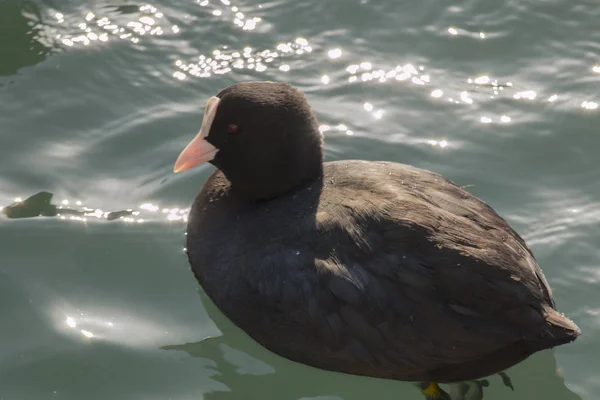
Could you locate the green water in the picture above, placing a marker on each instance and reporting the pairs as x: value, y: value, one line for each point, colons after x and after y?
x: 97, y: 114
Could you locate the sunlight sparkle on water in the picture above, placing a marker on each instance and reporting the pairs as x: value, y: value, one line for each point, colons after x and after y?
x: 528, y: 94
x: 87, y: 333
x: 334, y: 53
x: 339, y: 128
x: 149, y: 206
x: 464, y: 96
x: 409, y: 69
x: 224, y: 60
x: 589, y: 105
x: 452, y: 31
x: 441, y: 143
x: 370, y: 108
x: 147, y: 20
x: 99, y: 28
x: 76, y: 211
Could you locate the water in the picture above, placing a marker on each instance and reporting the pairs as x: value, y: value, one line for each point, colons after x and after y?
x: 500, y: 96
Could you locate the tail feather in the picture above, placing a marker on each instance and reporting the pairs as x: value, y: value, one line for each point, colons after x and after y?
x: 559, y: 329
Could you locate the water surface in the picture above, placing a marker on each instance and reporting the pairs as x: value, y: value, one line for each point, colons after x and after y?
x: 98, y: 99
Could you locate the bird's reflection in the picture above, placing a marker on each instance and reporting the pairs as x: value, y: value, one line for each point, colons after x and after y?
x: 274, y: 377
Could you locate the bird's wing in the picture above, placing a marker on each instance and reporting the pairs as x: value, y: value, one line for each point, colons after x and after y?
x: 419, y: 275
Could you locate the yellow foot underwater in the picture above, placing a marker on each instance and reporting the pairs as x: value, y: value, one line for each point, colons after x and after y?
x: 433, y: 391
x: 469, y: 390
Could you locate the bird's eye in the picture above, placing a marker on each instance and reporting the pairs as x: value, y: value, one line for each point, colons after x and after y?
x: 233, y: 129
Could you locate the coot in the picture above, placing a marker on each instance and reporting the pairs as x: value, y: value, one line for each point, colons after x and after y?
x: 370, y: 268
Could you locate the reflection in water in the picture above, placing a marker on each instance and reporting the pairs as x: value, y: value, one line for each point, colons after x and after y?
x: 250, y: 370
x: 40, y: 205
x: 336, y: 128
x: 71, y: 323
x: 589, y: 105
x: 22, y: 39
x: 150, y: 21
x: 480, y: 89
x: 334, y: 53
x: 463, y: 32
x: 99, y: 28
x: 226, y: 8
x: 104, y: 324
x: 224, y: 60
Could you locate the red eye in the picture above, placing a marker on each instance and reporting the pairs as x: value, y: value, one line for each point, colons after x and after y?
x: 232, y: 129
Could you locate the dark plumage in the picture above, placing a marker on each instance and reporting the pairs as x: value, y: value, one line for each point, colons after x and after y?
x: 369, y: 268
